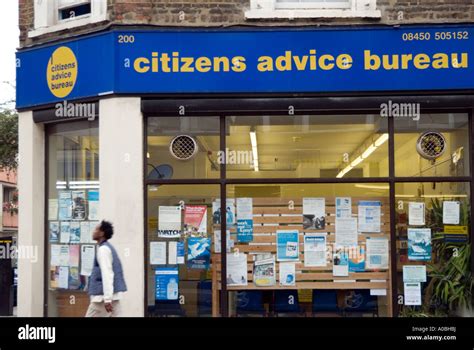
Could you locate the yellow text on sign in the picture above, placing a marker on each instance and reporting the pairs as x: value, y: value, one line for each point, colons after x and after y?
x: 61, y: 72
x: 455, y: 229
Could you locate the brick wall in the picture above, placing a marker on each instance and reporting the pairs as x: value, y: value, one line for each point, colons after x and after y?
x: 222, y: 13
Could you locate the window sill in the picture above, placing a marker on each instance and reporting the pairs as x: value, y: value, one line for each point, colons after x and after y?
x: 306, y: 13
x: 66, y: 24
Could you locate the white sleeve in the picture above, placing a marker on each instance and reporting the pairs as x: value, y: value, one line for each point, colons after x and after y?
x: 104, y: 258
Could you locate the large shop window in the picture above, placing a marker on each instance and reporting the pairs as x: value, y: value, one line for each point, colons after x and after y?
x: 72, y: 214
x: 180, y: 240
x: 307, y: 146
x: 309, y: 250
x: 433, y: 248
x: 310, y: 228
x: 183, y: 148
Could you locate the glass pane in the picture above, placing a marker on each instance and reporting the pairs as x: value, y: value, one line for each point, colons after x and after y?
x: 181, y: 251
x: 312, y: 4
x: 183, y: 148
x: 433, y: 249
x: 307, y: 146
x: 309, y: 250
x: 72, y: 213
x: 432, y: 145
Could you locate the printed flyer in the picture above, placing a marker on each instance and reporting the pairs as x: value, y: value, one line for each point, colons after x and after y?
x: 180, y: 253
x: 314, y: 213
x: 287, y: 245
x: 264, y: 271
x: 169, y: 221
x: 451, y: 211
x: 419, y: 244
x: 412, y: 293
x: 230, y: 212
x: 369, y: 216
x: 346, y: 231
x: 79, y: 205
x: 244, y: 219
x: 74, y: 255
x: 357, y: 259
x: 54, y: 232
x: 93, y: 204
x: 74, y: 280
x: 217, y: 241
x: 315, y: 250
x: 287, y: 274
x: 75, y: 232
x: 87, y: 259
x: 195, y: 220
x: 65, y: 205
x: 414, y: 273
x: 416, y: 213
x: 343, y: 207
x: 237, y: 269
x: 63, y: 258
x: 63, y: 279
x: 166, y: 283
x: 340, y: 267
x: 377, y: 253
x: 86, y: 233
x: 65, y: 232
x: 53, y: 207
x: 199, y: 253
x: 157, y: 253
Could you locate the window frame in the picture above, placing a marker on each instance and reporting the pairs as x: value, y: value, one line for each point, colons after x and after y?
x: 271, y: 9
x: 315, y: 4
x: 200, y: 107
x: 46, y: 16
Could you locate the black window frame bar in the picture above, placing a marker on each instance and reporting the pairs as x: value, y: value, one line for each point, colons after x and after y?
x: 224, y: 107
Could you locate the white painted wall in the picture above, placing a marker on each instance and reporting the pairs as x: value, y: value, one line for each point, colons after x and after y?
x: 31, y: 216
x: 121, y: 190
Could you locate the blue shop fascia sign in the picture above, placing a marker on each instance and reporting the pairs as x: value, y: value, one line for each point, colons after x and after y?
x: 336, y: 60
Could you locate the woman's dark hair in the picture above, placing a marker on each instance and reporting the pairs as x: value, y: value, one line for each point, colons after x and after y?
x: 107, y: 228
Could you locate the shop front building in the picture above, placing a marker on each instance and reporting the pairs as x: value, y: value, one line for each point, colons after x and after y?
x: 251, y: 171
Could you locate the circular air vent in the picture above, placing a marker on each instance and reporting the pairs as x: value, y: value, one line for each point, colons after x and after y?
x: 183, y: 147
x: 431, y: 145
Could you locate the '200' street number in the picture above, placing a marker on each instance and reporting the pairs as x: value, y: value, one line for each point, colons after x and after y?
x: 126, y: 39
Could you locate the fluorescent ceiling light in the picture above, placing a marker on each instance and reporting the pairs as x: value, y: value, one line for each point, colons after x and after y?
x: 368, y: 151
x: 344, y: 171
x: 356, y: 161
x: 444, y: 195
x: 374, y: 187
x: 371, y: 149
x: 381, y: 140
x: 84, y: 182
x: 83, y: 187
x: 253, y: 141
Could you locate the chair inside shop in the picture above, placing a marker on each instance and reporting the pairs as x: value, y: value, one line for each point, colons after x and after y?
x: 205, y: 298
x: 325, y: 303
x: 360, y: 303
x: 166, y: 308
x: 287, y: 303
x: 250, y: 303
